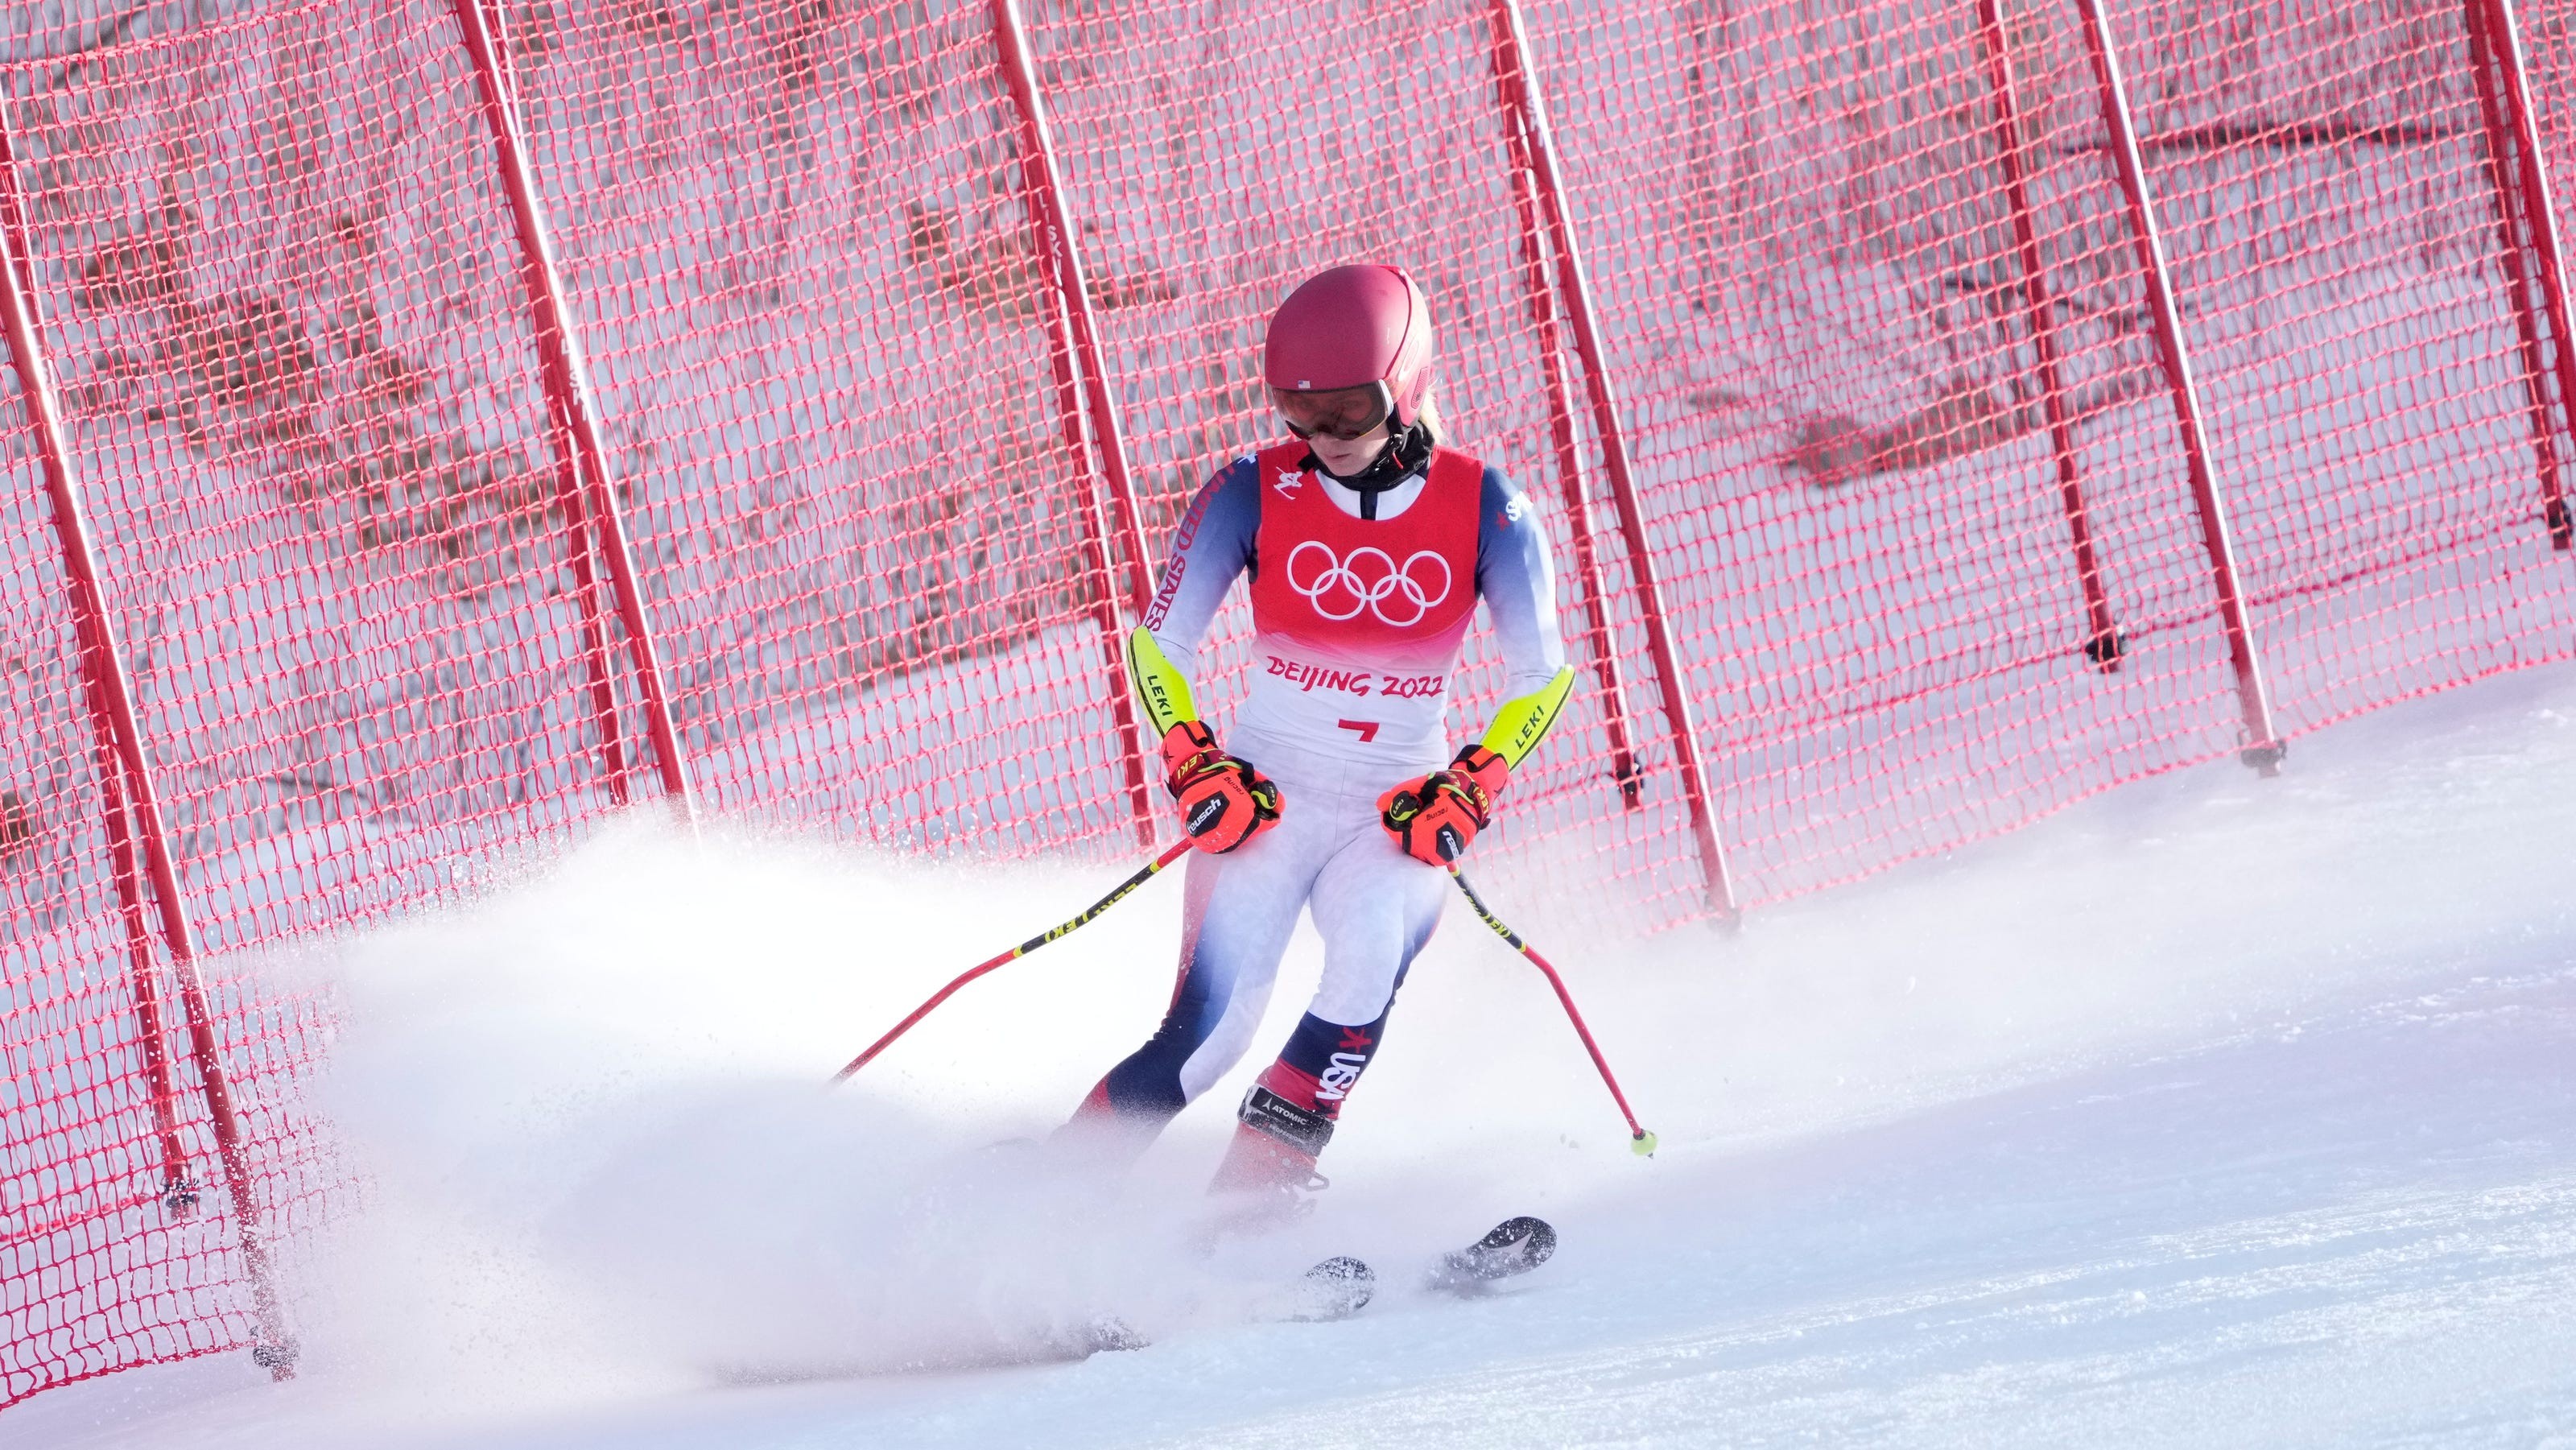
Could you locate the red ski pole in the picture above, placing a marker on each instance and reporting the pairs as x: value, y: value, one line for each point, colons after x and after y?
x: 1170, y: 854
x: 1641, y: 1142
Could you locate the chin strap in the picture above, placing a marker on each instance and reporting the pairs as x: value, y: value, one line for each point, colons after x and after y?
x: 1406, y: 454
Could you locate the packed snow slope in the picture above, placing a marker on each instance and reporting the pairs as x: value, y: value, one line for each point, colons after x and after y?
x: 2219, y: 1111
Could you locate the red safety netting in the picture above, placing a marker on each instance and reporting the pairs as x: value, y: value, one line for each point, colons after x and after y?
x: 1304, y: 137
x: 300, y: 387
x: 1882, y: 407
x: 2548, y: 36
x: 1808, y: 266
x: 1824, y: 334
x: 279, y: 301
x: 803, y: 268
x: 2321, y: 173
x: 94, y: 1275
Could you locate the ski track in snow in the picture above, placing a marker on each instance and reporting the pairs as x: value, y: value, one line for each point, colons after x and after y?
x: 2216, y: 1112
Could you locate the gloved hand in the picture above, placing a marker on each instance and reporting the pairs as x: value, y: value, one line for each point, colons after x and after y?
x: 1436, y: 817
x: 1224, y: 801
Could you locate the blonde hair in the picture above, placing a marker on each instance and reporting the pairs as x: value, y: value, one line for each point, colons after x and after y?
x: 1429, y: 419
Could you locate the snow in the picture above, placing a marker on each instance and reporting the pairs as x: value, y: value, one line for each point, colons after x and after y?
x: 2214, y: 1111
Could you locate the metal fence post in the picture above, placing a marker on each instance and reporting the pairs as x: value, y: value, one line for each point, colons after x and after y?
x: 2528, y: 233
x: 126, y: 782
x: 568, y: 394
x: 2102, y: 641
x: 1511, y: 42
x: 2262, y: 746
x: 1569, y: 450
x: 1082, y: 382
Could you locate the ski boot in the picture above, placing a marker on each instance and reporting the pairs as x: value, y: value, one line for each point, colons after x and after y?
x: 1268, y: 1179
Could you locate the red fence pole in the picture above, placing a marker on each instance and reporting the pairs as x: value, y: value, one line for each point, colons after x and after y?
x: 2102, y: 642
x: 595, y: 649
x: 1569, y: 452
x: 1075, y: 349
x: 1528, y: 110
x: 594, y: 628
x: 2521, y: 177
x: 178, y: 1180
x: 143, y: 973
x: 1064, y: 266
x: 127, y: 785
x: 2262, y: 746
x: 568, y: 394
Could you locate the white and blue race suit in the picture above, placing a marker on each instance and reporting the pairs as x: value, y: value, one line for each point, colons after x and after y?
x: 1359, y: 609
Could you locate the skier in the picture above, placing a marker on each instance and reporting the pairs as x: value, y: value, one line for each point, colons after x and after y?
x: 1369, y: 544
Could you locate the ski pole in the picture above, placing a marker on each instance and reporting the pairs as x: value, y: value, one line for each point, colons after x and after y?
x: 1640, y: 1142
x: 1144, y: 874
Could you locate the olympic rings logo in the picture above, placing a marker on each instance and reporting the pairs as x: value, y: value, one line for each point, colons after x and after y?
x: 1369, y: 579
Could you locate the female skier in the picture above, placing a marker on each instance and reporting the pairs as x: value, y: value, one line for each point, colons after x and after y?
x: 1368, y: 544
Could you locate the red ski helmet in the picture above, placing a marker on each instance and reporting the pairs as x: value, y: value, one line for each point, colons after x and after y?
x: 1354, y: 327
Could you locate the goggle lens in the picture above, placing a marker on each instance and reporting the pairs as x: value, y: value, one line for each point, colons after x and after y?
x: 1346, y: 414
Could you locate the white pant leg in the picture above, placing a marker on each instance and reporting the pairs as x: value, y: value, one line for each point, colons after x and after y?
x: 1375, y: 907
x: 1244, y: 928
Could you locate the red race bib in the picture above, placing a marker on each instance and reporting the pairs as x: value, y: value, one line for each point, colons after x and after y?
x: 1398, y: 591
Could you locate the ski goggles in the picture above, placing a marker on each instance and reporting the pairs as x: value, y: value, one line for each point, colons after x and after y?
x: 1347, y: 414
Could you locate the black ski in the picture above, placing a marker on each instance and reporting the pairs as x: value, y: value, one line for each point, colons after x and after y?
x: 1337, y: 1288
x: 1106, y: 1334
x: 1513, y: 1247
x: 1342, y: 1286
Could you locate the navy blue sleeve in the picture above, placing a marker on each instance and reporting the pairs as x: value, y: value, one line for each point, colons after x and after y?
x: 1212, y: 545
x: 1517, y: 577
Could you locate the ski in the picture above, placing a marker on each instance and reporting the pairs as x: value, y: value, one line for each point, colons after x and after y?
x: 1107, y: 1334
x: 1342, y: 1286
x: 1511, y: 1248
x: 1337, y: 1288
